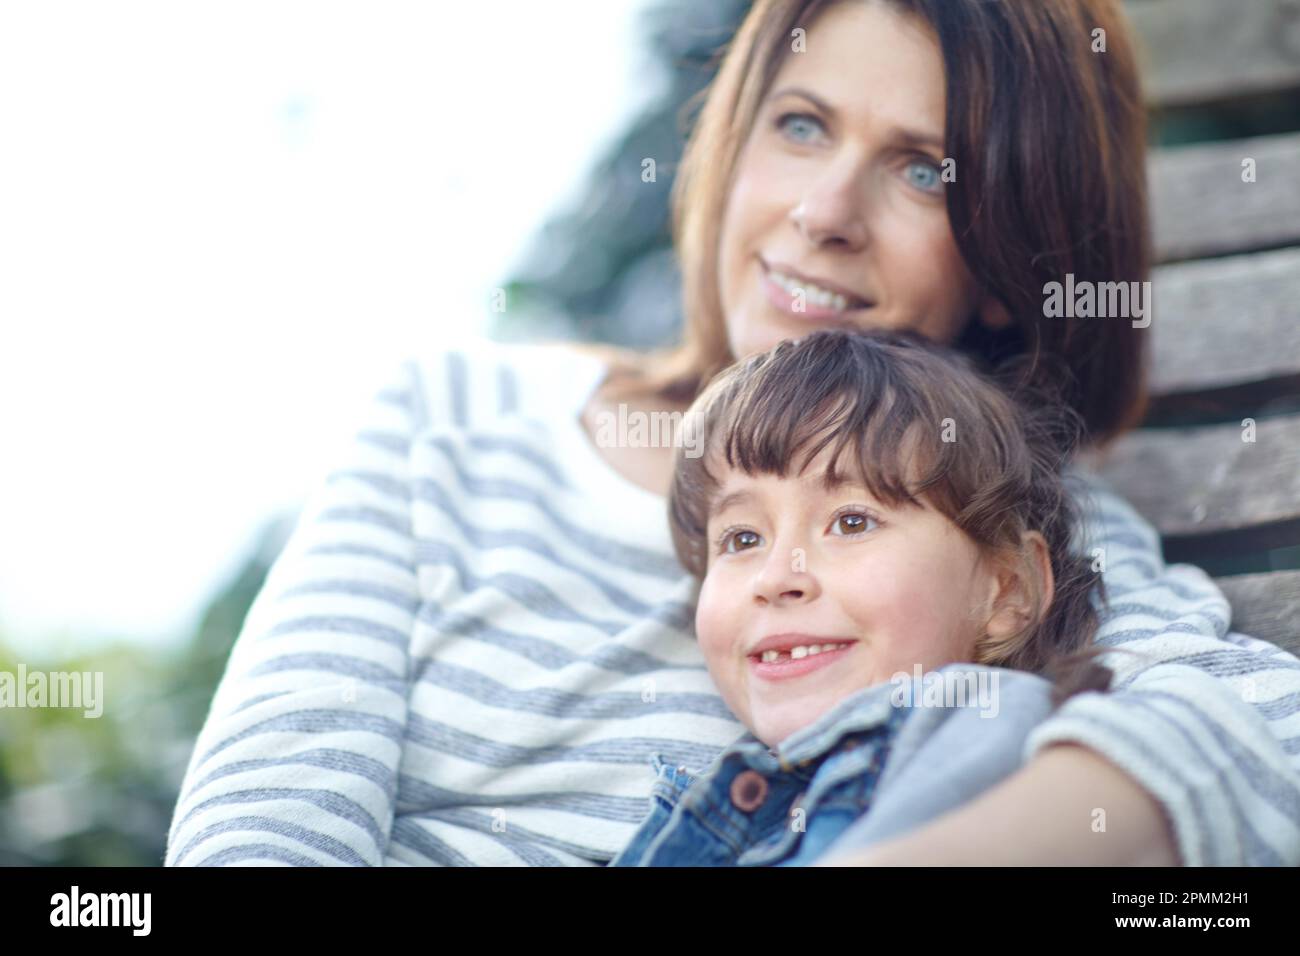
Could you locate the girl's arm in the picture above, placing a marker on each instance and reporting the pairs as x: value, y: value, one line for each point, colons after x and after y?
x: 1205, y: 726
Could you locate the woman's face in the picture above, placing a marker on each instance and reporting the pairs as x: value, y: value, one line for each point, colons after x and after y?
x: 837, y: 213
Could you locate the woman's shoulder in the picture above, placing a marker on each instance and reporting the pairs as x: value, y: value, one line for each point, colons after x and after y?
x: 434, y: 360
x: 472, y: 380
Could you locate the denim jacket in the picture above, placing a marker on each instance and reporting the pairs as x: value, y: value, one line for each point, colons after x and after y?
x: 881, y: 762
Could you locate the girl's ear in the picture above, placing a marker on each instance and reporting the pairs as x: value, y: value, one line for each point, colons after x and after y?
x: 993, y: 314
x: 1014, y: 590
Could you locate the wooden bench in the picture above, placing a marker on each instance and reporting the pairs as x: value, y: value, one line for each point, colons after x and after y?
x: 1225, y: 316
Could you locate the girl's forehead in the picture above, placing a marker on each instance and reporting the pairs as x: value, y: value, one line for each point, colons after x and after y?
x: 808, y: 480
x: 735, y: 485
x: 799, y: 465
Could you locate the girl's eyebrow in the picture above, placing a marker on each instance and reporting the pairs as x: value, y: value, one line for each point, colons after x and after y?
x: 910, y: 137
x: 728, y: 501
x: 744, y: 496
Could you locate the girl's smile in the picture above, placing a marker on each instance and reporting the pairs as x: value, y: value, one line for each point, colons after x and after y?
x: 785, y: 656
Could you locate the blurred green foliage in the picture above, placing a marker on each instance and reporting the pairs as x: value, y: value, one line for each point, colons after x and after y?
x: 100, y: 791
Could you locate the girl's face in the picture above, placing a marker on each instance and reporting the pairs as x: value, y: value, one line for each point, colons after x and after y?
x: 792, y: 565
x: 837, y: 212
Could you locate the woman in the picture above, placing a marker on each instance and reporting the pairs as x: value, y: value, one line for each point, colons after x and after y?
x: 478, y: 635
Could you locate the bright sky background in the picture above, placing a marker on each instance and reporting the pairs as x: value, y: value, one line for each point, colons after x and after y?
x: 220, y: 224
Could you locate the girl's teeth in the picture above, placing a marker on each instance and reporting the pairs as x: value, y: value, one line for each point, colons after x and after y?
x: 797, y: 653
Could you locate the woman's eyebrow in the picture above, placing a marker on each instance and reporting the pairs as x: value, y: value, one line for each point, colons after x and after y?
x: 911, y: 137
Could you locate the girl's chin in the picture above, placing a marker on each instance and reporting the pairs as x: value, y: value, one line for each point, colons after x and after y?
x: 773, y: 724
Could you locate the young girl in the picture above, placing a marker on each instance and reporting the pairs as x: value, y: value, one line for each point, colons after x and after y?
x: 867, y: 508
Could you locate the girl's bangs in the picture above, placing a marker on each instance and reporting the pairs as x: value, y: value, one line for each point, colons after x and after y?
x: 875, y: 443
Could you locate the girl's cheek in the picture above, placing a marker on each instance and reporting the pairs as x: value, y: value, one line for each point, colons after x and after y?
x: 710, y: 615
x: 900, y: 595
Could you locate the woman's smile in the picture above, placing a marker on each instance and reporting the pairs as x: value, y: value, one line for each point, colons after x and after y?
x: 799, y: 295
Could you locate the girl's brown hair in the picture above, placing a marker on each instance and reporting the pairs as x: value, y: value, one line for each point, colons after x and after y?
x: 1049, y: 139
x: 919, y: 426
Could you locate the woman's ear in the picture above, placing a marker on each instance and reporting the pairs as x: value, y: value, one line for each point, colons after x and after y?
x: 993, y: 314
x: 1018, y: 585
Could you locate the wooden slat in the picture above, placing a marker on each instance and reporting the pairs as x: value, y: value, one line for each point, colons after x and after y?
x: 1266, y: 606
x: 1223, y: 322
x: 1203, y: 50
x: 1191, y: 481
x: 1201, y: 207
x: 1227, y: 322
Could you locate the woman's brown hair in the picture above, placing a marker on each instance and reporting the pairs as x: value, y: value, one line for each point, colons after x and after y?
x: 1049, y: 139
x: 919, y: 426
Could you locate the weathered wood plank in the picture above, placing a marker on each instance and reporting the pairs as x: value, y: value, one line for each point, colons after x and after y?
x: 1199, y: 480
x: 1266, y: 606
x: 1200, y: 206
x: 1221, y: 322
x: 1203, y: 50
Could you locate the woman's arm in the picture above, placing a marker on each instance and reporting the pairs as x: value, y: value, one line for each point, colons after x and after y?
x: 297, y: 761
x: 1204, y: 725
x: 1046, y: 814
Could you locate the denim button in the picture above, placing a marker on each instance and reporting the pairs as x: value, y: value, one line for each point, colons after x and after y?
x: 748, y: 790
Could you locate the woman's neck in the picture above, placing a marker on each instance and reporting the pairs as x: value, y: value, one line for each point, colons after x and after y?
x: 645, y: 465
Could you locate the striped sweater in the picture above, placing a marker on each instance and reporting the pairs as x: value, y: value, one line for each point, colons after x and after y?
x: 478, y: 635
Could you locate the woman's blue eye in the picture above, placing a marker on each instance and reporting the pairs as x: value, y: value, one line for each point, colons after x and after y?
x: 798, y: 126
x: 924, y: 175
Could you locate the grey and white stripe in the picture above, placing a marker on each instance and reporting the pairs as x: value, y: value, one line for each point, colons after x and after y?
x: 476, y: 638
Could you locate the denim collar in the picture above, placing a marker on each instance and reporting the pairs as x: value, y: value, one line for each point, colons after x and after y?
x: 862, y: 710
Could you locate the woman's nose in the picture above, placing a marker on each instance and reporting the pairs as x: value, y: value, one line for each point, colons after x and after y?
x: 831, y: 211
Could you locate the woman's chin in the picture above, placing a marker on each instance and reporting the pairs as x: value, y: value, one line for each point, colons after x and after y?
x: 764, y: 334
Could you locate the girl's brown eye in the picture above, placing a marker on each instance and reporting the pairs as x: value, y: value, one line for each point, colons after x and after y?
x: 722, y: 544
x: 855, y: 522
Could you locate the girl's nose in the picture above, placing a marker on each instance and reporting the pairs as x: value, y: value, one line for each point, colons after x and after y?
x: 785, y: 578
